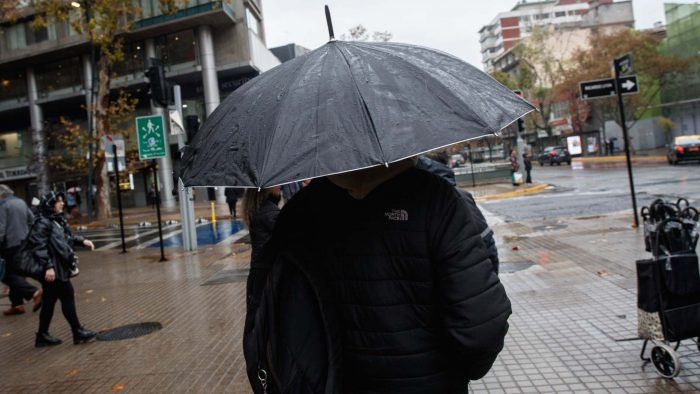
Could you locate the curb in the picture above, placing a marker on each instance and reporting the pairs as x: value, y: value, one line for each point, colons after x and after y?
x: 607, y: 159
x: 516, y: 193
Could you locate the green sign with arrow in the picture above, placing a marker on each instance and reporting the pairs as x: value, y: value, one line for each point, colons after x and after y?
x: 151, y: 136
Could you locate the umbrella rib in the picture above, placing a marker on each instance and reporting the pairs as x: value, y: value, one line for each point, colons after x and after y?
x: 422, y: 71
x: 274, y: 129
x: 364, y: 105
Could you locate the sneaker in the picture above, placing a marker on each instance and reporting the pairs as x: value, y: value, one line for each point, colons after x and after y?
x: 15, y: 310
x: 37, y: 300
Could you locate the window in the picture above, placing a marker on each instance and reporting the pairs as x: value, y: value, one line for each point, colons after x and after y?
x: 13, y: 150
x: 542, y: 16
x: 12, y: 85
x: 134, y: 54
x: 177, y: 48
x: 525, y: 18
x: 59, y: 75
x: 15, y: 37
x: 559, y: 14
x: 251, y: 20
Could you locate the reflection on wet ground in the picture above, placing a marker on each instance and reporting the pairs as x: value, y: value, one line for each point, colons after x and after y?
x: 147, y: 236
x: 207, y: 234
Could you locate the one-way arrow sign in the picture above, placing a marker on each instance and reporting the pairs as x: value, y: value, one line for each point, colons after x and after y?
x: 606, y: 87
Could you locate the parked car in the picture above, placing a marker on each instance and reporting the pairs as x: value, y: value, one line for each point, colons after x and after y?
x: 456, y: 160
x: 684, y: 148
x: 554, y: 154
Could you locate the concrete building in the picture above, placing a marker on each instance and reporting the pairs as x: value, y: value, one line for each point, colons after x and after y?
x: 569, y: 25
x: 509, y: 27
x: 209, y: 48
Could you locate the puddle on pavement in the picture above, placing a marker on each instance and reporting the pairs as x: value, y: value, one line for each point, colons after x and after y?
x: 510, y: 267
x: 129, y: 331
x: 227, y: 276
x: 550, y: 227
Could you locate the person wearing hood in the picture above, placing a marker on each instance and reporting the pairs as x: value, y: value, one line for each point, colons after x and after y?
x: 52, y: 242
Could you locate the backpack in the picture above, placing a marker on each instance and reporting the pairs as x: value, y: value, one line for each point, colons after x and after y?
x: 289, y: 342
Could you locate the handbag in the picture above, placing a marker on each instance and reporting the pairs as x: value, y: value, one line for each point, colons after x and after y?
x: 25, y: 263
x: 517, y: 178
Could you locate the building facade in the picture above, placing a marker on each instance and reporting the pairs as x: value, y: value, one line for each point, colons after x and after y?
x: 683, y: 39
x: 209, y: 48
x: 569, y: 25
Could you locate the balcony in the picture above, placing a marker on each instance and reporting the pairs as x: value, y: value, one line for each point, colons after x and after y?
x: 193, y: 8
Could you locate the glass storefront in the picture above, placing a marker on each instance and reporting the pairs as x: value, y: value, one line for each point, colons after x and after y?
x: 62, y: 75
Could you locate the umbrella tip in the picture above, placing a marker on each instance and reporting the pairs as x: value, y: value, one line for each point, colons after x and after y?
x: 386, y: 164
x: 329, y: 22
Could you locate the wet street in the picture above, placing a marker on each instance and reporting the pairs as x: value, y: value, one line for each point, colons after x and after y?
x: 598, y: 188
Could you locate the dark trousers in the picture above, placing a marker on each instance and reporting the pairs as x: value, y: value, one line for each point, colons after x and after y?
x: 53, y: 292
x: 232, y: 209
x: 20, y: 289
x: 528, y: 179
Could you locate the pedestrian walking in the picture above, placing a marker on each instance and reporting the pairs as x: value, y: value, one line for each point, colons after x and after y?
x: 402, y: 261
x: 260, y: 211
x: 528, y: 167
x: 51, y: 243
x: 514, y: 166
x: 232, y: 196
x: 15, y: 220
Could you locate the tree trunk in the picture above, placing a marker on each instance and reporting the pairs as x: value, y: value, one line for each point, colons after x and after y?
x: 39, y: 160
x: 103, y: 207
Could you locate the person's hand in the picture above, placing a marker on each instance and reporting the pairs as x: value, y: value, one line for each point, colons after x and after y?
x: 89, y: 244
x: 50, y: 275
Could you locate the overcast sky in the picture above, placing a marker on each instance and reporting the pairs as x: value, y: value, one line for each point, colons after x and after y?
x: 449, y: 25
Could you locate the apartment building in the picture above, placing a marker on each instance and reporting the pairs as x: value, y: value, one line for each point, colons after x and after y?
x: 209, y: 48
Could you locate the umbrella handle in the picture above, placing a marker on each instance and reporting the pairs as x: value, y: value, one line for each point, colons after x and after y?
x: 330, y: 24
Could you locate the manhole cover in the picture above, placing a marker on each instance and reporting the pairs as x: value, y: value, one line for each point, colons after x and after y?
x: 549, y: 227
x: 129, y: 331
x: 227, y: 276
x: 514, y: 266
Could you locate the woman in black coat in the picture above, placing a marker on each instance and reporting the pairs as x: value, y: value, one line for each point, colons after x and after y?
x: 51, y: 242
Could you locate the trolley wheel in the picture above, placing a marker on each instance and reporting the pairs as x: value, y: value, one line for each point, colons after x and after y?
x: 665, y: 361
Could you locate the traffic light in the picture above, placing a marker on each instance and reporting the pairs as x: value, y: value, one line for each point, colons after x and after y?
x: 161, y: 91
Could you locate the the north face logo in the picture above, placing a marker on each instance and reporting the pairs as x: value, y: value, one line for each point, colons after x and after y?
x: 397, y: 214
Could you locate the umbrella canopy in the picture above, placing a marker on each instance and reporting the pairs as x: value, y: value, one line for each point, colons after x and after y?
x: 342, y: 107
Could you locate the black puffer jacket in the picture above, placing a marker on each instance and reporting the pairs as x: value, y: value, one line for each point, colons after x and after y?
x: 261, y: 227
x: 421, y: 309
x: 51, y: 244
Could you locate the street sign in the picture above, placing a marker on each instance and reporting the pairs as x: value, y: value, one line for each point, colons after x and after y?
x: 151, y: 137
x: 109, y: 141
x: 606, y: 87
x: 176, y: 125
x: 624, y: 64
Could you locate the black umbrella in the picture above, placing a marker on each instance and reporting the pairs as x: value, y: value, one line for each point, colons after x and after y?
x: 342, y: 107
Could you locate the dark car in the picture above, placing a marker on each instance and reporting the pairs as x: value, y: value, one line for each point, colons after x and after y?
x: 554, y: 154
x: 685, y: 148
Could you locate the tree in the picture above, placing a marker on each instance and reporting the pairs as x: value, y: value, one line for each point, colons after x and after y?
x: 103, y: 24
x: 667, y: 126
x: 653, y: 70
x: 359, y: 33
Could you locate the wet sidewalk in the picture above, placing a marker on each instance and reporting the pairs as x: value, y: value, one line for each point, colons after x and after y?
x: 572, y: 284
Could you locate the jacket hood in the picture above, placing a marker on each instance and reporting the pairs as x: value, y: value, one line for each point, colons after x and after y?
x: 47, y: 203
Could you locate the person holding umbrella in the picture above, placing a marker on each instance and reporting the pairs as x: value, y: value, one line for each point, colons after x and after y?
x: 392, y: 275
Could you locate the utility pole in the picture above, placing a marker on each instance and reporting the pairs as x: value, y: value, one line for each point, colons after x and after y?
x: 626, y: 63
x: 189, y: 229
